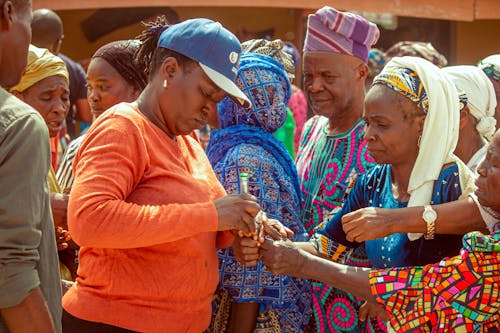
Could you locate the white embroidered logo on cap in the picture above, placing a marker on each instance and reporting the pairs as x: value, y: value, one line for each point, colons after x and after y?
x: 233, y: 57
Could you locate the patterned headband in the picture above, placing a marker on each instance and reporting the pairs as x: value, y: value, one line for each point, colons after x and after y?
x: 407, y: 83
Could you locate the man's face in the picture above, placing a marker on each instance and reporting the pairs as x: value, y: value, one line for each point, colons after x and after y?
x: 330, y: 82
x: 16, y: 27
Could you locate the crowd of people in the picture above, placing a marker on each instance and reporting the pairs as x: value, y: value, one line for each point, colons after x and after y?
x: 202, y: 199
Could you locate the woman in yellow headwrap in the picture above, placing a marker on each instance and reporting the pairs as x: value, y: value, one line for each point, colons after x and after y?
x: 45, y: 86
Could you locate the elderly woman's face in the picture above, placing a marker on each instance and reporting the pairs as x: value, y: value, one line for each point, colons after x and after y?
x: 190, y: 100
x: 106, y: 87
x: 50, y: 97
x: 488, y: 181
x: 392, y: 128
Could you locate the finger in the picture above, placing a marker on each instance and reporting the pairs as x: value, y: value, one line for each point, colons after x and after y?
x: 62, y: 246
x: 289, y: 232
x: 363, y: 312
x: 271, y: 231
x: 251, y: 257
x: 267, y: 245
x: 349, y: 226
x: 248, y: 242
x: 260, y: 232
x: 251, y: 263
x: 384, y: 316
x: 252, y: 207
x: 350, y: 216
x: 247, y: 225
x: 354, y: 235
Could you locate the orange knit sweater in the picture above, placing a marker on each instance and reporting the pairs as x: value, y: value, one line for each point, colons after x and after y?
x: 141, y: 208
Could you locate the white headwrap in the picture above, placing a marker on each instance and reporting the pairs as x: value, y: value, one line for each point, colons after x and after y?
x: 493, y: 59
x: 481, y: 98
x: 439, y: 135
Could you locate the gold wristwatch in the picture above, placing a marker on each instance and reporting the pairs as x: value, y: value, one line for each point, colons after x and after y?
x: 429, y: 216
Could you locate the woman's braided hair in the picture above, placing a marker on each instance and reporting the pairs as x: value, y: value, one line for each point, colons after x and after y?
x: 150, y: 55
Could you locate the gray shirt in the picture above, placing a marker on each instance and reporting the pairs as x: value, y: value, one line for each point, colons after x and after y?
x: 28, y: 253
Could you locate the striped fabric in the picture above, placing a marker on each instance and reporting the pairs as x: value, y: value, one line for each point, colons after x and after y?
x: 64, y: 173
x: 341, y: 32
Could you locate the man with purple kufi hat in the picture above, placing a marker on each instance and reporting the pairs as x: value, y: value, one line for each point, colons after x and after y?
x: 332, y: 150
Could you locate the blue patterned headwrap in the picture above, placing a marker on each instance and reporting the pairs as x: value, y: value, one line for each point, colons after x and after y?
x: 407, y: 83
x: 266, y: 84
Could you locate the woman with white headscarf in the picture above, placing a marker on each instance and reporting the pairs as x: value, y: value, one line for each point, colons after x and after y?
x: 412, y: 120
x: 477, y: 122
x: 491, y: 67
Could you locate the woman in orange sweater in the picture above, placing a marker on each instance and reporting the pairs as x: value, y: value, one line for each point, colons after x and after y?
x: 146, y: 207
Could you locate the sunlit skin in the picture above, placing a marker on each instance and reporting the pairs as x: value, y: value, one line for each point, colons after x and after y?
x: 15, y: 43
x: 187, y: 101
x: 106, y: 87
x: 50, y: 97
x: 488, y: 180
x: 392, y: 129
x: 334, y: 87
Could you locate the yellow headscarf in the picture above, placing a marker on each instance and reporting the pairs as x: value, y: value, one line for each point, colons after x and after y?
x: 41, y: 65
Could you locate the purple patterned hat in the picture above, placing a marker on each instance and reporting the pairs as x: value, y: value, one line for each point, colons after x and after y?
x: 341, y: 32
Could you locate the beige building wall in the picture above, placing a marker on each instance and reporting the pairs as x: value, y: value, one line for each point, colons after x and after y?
x: 476, y: 40
x: 237, y: 20
x: 473, y: 40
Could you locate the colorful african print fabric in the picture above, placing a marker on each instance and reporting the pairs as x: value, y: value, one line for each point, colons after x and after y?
x: 407, y: 83
x: 327, y: 165
x: 461, y: 294
x: 374, y: 189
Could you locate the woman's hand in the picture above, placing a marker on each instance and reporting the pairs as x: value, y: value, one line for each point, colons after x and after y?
x: 373, y: 311
x: 246, y: 250
x: 62, y: 238
x: 368, y: 223
x: 282, y: 257
x: 237, y: 212
x: 276, y: 230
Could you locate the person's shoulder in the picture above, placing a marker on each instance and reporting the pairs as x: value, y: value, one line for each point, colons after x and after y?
x: 123, y: 117
x: 449, y: 171
x: 315, y: 123
x: 376, y: 174
x: 14, y: 111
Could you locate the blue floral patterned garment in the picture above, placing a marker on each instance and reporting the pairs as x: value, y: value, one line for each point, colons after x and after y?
x: 245, y: 144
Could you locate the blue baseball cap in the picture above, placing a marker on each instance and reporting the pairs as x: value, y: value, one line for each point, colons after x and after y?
x: 215, y: 48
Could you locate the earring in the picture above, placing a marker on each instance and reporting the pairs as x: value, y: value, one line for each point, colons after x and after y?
x: 165, y: 83
x: 419, y: 138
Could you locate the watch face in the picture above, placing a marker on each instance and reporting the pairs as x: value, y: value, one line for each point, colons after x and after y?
x: 429, y: 215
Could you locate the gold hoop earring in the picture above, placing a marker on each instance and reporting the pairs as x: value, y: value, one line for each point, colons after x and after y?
x: 165, y: 83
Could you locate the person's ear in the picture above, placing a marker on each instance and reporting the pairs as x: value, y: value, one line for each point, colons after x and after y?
x: 6, y: 15
x: 170, y: 68
x: 362, y: 72
x: 464, y: 117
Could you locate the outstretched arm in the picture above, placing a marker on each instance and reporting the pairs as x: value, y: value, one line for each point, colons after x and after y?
x: 456, y: 217
x: 284, y: 257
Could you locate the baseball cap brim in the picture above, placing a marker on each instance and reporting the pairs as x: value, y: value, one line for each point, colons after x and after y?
x: 227, y: 85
